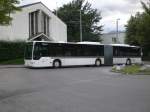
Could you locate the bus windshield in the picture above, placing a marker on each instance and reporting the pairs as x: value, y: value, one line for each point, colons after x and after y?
x: 40, y: 50
x: 28, y: 51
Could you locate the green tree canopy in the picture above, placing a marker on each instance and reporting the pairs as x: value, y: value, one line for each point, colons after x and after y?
x: 7, y: 7
x: 70, y: 14
x: 138, y: 29
x: 132, y: 37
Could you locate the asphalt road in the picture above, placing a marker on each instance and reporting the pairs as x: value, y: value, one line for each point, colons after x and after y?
x: 82, y: 89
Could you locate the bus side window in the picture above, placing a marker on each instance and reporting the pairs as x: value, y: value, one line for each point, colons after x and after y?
x: 79, y: 51
x: 115, y: 51
x: 44, y: 50
x: 68, y: 50
x: 101, y: 51
x: 86, y: 51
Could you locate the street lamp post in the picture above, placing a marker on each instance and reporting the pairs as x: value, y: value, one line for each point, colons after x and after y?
x: 80, y: 26
x: 117, y: 31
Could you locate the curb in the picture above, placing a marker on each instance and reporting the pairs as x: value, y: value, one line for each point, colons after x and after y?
x: 11, y: 66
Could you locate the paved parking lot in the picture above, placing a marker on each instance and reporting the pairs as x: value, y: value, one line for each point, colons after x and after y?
x: 80, y: 89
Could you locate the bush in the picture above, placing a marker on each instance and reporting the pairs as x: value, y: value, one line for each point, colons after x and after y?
x: 11, y: 50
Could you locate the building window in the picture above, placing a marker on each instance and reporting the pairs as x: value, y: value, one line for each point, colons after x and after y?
x: 38, y: 23
x: 45, y: 24
x: 33, y: 23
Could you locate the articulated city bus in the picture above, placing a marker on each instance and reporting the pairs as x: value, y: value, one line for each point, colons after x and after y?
x: 51, y: 54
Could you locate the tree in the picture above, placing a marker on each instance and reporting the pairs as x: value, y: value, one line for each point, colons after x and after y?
x: 132, y: 30
x: 70, y: 14
x: 138, y: 29
x: 6, y: 8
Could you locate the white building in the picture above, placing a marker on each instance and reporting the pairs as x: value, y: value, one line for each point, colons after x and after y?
x: 111, y: 38
x: 32, y: 20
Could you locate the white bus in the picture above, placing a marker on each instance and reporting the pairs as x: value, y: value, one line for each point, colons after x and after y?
x: 51, y: 54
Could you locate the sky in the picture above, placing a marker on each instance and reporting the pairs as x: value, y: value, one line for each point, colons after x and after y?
x: 111, y: 10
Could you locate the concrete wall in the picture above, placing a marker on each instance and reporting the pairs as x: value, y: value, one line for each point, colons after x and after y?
x: 107, y: 38
x: 19, y: 28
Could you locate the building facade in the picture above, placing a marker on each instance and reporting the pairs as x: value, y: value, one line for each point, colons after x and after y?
x: 112, y: 38
x: 34, y: 19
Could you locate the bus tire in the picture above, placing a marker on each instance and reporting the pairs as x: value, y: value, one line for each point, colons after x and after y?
x: 128, y: 62
x: 98, y: 62
x: 57, y: 64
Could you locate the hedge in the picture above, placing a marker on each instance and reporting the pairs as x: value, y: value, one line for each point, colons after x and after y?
x: 11, y: 50
x: 146, y: 53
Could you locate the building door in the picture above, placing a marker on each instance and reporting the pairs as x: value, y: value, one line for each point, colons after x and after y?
x: 108, y: 55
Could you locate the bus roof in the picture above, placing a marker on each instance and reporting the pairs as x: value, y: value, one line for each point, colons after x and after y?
x: 85, y: 43
x: 123, y: 45
x: 90, y: 43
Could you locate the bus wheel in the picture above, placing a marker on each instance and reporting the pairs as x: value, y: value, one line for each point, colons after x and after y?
x: 128, y: 62
x: 57, y: 64
x: 98, y: 62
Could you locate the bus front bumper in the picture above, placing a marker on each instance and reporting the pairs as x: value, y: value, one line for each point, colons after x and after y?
x: 36, y: 64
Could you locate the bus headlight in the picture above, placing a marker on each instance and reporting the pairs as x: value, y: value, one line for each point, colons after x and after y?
x: 32, y: 62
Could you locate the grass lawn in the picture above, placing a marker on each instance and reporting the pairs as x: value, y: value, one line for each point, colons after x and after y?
x: 13, y: 62
x: 133, y: 69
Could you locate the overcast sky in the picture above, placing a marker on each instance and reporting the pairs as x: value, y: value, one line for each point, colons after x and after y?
x: 110, y: 10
